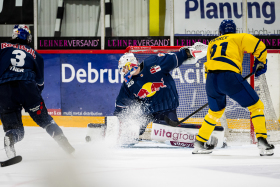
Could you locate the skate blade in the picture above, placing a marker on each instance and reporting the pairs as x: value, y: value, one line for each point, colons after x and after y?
x: 266, y: 152
x: 10, y: 153
x: 127, y: 145
x: 202, y: 152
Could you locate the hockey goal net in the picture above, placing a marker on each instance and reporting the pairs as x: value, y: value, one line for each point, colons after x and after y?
x: 190, y: 82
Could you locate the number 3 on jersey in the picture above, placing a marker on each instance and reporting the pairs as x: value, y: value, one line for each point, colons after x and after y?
x: 223, y: 50
x: 19, y: 59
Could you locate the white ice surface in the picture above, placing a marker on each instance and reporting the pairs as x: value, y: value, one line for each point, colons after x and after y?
x: 100, y: 165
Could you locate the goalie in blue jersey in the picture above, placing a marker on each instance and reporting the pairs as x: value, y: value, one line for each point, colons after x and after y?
x: 224, y: 68
x: 21, y: 84
x: 148, y: 92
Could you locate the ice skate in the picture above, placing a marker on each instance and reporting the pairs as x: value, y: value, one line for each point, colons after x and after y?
x: 205, y: 147
x: 9, y: 146
x: 266, y: 149
x: 64, y: 144
x: 130, y: 143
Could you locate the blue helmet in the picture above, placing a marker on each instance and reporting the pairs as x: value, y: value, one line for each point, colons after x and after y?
x: 227, y: 26
x: 22, y: 32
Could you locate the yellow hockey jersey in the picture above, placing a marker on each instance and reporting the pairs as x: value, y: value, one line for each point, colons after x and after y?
x: 226, y: 52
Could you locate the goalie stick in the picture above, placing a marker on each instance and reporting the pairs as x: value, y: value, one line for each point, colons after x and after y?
x: 176, y: 123
x: 11, y: 161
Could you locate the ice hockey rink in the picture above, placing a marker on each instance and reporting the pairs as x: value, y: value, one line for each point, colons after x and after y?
x: 100, y: 164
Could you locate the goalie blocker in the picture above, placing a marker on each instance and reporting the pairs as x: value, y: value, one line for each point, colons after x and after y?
x: 182, y: 136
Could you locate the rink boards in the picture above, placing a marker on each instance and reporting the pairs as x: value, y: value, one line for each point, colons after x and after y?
x: 81, y: 86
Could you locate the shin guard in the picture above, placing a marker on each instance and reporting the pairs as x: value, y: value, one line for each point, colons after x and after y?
x: 258, y: 119
x: 208, y: 125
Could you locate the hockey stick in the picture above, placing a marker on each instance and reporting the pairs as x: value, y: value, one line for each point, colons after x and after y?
x: 176, y: 123
x: 11, y: 161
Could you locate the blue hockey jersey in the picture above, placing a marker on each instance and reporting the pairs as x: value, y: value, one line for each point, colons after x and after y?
x: 20, y: 62
x: 153, y: 86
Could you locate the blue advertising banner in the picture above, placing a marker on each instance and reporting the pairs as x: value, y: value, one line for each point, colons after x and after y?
x: 51, y: 92
x: 89, y: 84
x: 81, y: 84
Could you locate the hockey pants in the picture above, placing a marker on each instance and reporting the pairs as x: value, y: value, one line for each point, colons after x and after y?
x: 219, y: 84
x: 16, y: 95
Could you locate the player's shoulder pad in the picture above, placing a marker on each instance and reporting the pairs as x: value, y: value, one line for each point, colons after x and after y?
x: 149, y: 61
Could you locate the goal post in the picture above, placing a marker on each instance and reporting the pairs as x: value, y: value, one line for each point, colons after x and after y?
x: 190, y: 83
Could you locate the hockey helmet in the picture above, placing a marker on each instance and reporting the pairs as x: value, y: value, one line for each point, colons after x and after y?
x: 22, y: 32
x: 127, y: 66
x: 227, y: 26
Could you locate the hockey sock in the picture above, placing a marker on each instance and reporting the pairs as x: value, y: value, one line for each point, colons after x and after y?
x: 208, y: 125
x: 16, y: 134
x: 12, y: 125
x: 258, y: 119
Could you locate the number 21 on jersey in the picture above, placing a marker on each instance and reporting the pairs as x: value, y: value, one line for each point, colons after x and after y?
x: 223, y: 49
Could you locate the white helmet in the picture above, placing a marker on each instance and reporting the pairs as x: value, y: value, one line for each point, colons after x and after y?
x: 129, y: 60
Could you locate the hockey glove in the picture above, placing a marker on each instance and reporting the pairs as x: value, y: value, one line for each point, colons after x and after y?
x: 189, y: 51
x: 259, y: 67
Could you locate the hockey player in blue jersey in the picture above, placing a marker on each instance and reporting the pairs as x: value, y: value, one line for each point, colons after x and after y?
x: 21, y: 84
x: 150, y: 86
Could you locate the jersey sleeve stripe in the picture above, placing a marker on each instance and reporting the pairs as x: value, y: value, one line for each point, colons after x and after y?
x: 226, y: 60
x: 256, y: 46
x: 262, y: 53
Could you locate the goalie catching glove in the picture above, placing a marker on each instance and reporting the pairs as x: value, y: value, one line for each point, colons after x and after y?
x: 195, y: 52
x: 189, y: 51
x: 259, y: 67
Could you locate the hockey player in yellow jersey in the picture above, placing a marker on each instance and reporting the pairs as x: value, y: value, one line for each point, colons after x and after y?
x: 224, y: 69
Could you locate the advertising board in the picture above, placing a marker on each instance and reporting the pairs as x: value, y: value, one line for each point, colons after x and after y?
x: 203, y: 17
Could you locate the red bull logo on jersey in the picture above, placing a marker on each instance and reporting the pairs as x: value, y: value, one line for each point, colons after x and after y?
x: 150, y: 88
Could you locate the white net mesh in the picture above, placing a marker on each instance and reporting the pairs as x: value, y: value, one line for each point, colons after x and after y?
x: 272, y: 124
x: 190, y: 83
